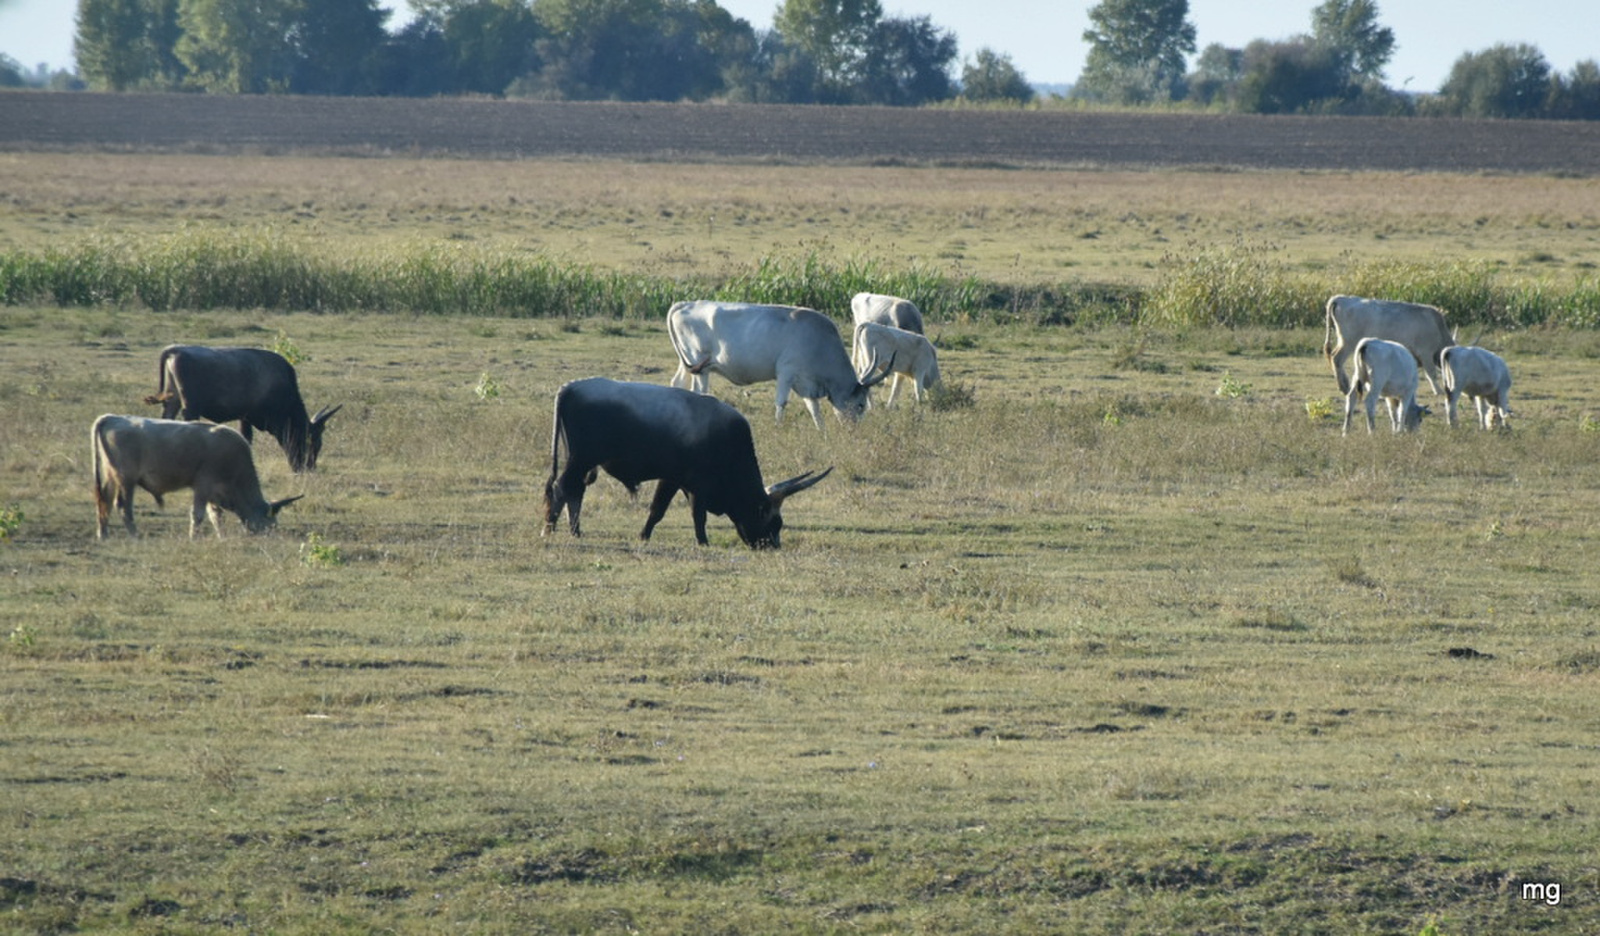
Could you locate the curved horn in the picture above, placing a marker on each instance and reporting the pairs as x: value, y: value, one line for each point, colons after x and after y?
x: 277, y: 505
x: 325, y: 412
x: 882, y: 375
x: 777, y: 492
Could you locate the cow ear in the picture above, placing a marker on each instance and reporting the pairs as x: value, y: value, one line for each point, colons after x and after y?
x: 277, y: 505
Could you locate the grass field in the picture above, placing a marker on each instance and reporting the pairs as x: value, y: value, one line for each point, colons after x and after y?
x: 1134, y: 642
x: 1016, y: 225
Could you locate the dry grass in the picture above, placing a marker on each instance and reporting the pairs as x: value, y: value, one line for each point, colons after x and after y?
x: 1104, y: 651
x: 1018, y: 226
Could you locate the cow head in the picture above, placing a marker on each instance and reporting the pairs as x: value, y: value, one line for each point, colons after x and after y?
x: 769, y: 522
x: 1414, y: 414
x: 859, y: 396
x: 269, y: 517
x: 315, y: 428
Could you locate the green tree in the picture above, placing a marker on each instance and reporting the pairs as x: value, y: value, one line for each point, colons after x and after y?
x: 1289, y: 77
x: 1501, y: 81
x: 491, y: 43
x: 1577, y: 97
x: 633, y: 50
x: 1217, y: 73
x: 991, y: 76
x: 1137, y: 51
x: 415, y: 62
x: 334, y: 42
x: 1349, y: 30
x: 112, y: 45
x: 163, y: 32
x: 238, y: 46
x: 907, y: 63
x: 11, y: 72
x: 834, y: 34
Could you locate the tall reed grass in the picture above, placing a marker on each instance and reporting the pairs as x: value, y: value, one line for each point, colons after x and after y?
x: 1250, y: 285
x: 1237, y: 285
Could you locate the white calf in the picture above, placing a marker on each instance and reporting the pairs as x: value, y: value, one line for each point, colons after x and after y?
x: 1479, y: 374
x: 1385, y: 369
x: 910, y: 356
x: 886, y: 310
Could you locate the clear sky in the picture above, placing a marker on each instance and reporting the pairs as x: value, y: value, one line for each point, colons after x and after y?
x: 1044, y: 37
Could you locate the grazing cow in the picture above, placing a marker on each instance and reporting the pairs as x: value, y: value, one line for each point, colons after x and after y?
x: 886, y: 310
x: 162, y: 456
x: 1385, y: 369
x: 638, y: 432
x: 1481, y: 375
x: 746, y: 343
x: 255, y: 386
x: 913, y: 356
x: 1420, y: 328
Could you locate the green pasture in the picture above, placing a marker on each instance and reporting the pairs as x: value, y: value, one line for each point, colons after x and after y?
x: 1117, y: 635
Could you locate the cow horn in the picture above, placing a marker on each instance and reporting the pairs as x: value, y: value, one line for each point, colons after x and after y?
x: 777, y: 492
x: 873, y: 381
x: 697, y: 368
x: 324, y: 413
x: 277, y: 505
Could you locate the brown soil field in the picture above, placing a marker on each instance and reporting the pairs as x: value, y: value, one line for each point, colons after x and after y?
x: 700, y: 132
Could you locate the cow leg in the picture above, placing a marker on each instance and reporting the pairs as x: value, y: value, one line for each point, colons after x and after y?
x: 1451, y: 398
x: 1485, y: 412
x: 894, y: 390
x: 125, y: 504
x: 565, y: 491
x: 665, y: 491
x: 215, y: 514
x: 698, y: 511
x: 1372, y: 414
x: 1433, y: 378
x: 783, y: 396
x: 245, y: 429
x: 197, y: 514
x: 1349, y: 409
x: 814, y: 407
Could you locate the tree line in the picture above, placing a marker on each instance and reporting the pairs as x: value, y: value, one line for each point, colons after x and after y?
x: 816, y: 51
x: 1138, y: 53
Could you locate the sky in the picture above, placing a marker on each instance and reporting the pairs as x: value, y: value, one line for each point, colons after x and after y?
x: 1044, y: 37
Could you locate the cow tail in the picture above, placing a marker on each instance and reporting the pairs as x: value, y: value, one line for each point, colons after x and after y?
x: 161, y: 379
x: 683, y: 357
x: 97, y: 453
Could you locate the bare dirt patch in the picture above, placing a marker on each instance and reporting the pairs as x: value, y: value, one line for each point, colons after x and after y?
x: 700, y: 132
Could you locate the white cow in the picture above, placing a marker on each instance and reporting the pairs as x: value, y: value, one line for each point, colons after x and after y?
x: 747, y: 343
x: 164, y: 455
x: 913, y: 356
x: 1481, y: 375
x: 886, y: 310
x: 1385, y: 369
x: 1420, y: 328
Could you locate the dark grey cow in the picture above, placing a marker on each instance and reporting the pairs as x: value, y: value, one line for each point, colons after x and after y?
x: 254, y: 386
x: 686, y: 441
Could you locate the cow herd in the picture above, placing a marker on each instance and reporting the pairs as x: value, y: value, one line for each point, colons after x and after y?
x: 1389, y: 341
x: 677, y: 435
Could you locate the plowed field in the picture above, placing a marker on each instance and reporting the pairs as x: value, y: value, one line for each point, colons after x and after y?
x: 699, y: 132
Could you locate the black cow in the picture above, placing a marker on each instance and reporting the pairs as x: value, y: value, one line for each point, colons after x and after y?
x: 255, y: 386
x: 641, y: 432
